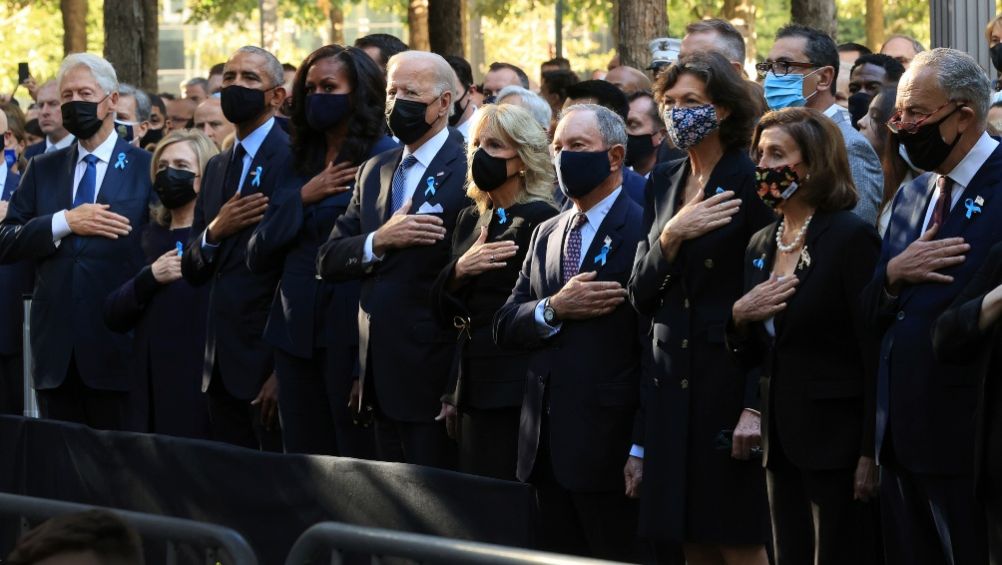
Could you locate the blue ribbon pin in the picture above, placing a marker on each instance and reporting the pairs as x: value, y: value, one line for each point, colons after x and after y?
x: 759, y: 263
x: 121, y: 163
x: 180, y: 248
x: 502, y: 216
x: 972, y: 208
x: 604, y: 252
x: 718, y: 191
x: 430, y: 191
x: 257, y: 176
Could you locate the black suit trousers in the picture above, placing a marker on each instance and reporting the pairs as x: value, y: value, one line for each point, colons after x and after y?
x: 488, y: 442
x: 237, y: 422
x: 811, y: 505
x: 73, y: 401
x: 11, y: 384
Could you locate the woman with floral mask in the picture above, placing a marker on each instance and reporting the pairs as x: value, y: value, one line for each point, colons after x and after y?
x: 166, y: 314
x: 800, y: 325
x: 703, y: 485
x: 337, y: 123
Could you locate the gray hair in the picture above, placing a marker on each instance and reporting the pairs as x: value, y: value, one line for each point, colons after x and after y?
x: 101, y: 69
x: 143, y: 105
x: 534, y: 103
x: 445, y: 78
x: 731, y: 43
x: 204, y: 83
x: 273, y: 68
x: 610, y: 124
x: 959, y: 77
x: 916, y: 46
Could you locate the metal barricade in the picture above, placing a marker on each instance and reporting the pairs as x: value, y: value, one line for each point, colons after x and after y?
x: 30, y: 401
x: 222, y: 545
x: 336, y: 538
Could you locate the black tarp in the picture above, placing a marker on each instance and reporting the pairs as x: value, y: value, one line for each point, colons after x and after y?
x: 269, y: 498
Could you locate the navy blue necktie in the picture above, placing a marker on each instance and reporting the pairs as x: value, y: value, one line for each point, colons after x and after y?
x: 399, y: 187
x: 87, y: 190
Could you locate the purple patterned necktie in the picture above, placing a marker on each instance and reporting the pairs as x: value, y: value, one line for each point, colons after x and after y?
x: 572, y: 250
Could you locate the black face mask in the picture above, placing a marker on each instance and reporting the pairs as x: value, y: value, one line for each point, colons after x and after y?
x: 859, y: 105
x: 80, y: 118
x: 996, y: 55
x: 580, y: 172
x: 926, y: 148
x: 489, y: 172
x: 406, y: 120
x: 241, y: 104
x: 126, y: 131
x: 492, y: 99
x: 457, y: 110
x: 174, y: 187
x: 325, y: 111
x: 152, y: 136
x: 638, y: 148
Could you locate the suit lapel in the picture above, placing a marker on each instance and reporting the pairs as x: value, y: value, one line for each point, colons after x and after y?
x: 965, y: 212
x: 119, y: 169
x: 667, y: 208
x: 607, y: 240
x: 555, y: 254
x: 805, y: 264
x: 435, y: 175
x: 386, y: 184
x: 66, y: 191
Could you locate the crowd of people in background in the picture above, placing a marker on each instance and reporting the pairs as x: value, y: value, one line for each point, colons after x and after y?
x: 712, y: 316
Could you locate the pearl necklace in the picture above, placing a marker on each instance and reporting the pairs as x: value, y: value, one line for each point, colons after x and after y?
x: 796, y: 240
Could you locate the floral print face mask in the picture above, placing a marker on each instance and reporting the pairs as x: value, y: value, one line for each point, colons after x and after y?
x: 688, y: 126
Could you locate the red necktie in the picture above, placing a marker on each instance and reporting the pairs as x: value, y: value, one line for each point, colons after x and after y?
x: 945, y: 186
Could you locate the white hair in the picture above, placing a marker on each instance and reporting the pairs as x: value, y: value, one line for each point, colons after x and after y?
x: 445, y: 78
x: 960, y: 77
x: 273, y: 68
x: 101, y: 69
x: 534, y: 103
x: 143, y: 105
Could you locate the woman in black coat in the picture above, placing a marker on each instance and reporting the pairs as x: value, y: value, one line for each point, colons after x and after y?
x: 801, y: 325
x: 167, y: 314
x: 698, y: 490
x: 337, y: 123
x: 972, y: 330
x: 511, y: 180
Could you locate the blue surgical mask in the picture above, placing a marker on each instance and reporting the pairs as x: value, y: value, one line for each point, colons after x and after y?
x: 785, y: 91
x: 10, y: 156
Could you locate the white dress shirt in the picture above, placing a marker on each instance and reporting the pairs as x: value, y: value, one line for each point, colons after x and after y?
x: 464, y: 127
x: 595, y: 216
x: 3, y: 177
x: 251, y: 144
x: 61, y: 144
x: 103, y: 152
x: 424, y: 155
x: 962, y: 174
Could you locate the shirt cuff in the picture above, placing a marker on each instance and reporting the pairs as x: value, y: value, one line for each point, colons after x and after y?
x: 544, y: 329
x: 637, y: 451
x: 208, y: 249
x: 368, y: 255
x: 60, y: 228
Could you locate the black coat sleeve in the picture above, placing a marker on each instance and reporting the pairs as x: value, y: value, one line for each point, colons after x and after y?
x: 957, y: 335
x: 340, y: 259
x: 515, y: 322
x: 196, y: 267
x: 125, y: 306
x: 278, y: 230
x: 23, y: 233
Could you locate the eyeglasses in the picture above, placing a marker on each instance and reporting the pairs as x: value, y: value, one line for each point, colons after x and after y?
x: 897, y: 126
x: 781, y: 68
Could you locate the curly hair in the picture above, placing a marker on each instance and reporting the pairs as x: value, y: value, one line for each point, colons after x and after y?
x: 366, y: 124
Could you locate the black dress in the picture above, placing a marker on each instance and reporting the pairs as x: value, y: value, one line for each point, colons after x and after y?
x: 169, y: 325
x: 486, y: 382
x: 693, y: 394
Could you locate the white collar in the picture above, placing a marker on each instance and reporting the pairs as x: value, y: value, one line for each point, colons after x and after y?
x: 430, y: 148
x: 256, y: 138
x: 102, y: 152
x: 598, y: 212
x: 62, y: 143
x: 832, y: 110
x: 3, y: 174
x: 965, y: 170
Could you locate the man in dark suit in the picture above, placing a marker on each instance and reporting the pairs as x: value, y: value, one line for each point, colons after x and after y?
x: 50, y: 121
x: 941, y: 228
x: 15, y: 281
x: 569, y: 308
x: 234, y: 194
x: 78, y: 213
x: 394, y: 237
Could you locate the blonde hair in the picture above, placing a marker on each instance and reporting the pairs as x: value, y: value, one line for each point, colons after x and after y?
x: 516, y: 126
x: 991, y: 26
x: 204, y: 150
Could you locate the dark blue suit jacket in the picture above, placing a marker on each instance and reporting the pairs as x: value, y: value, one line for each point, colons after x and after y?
x: 239, y: 300
x: 15, y: 281
x: 400, y: 344
x: 928, y: 405
x: 34, y: 150
x: 73, y: 278
x: 307, y: 313
x: 589, y: 372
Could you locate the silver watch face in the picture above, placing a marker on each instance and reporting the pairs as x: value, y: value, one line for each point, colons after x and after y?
x: 548, y: 314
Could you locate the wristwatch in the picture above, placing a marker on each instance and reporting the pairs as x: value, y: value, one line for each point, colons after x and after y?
x: 549, y: 314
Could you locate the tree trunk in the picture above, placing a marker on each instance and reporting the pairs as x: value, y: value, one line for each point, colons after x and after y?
x: 336, y: 18
x: 639, y: 22
x: 819, y: 14
x: 269, y: 19
x: 130, y: 41
x: 445, y: 27
x: 417, y: 24
x: 741, y: 14
x: 476, y: 34
x: 874, y: 24
x: 74, y: 26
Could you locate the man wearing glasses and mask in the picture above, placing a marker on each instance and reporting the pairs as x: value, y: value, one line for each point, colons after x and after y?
x: 940, y: 230
x: 801, y: 71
